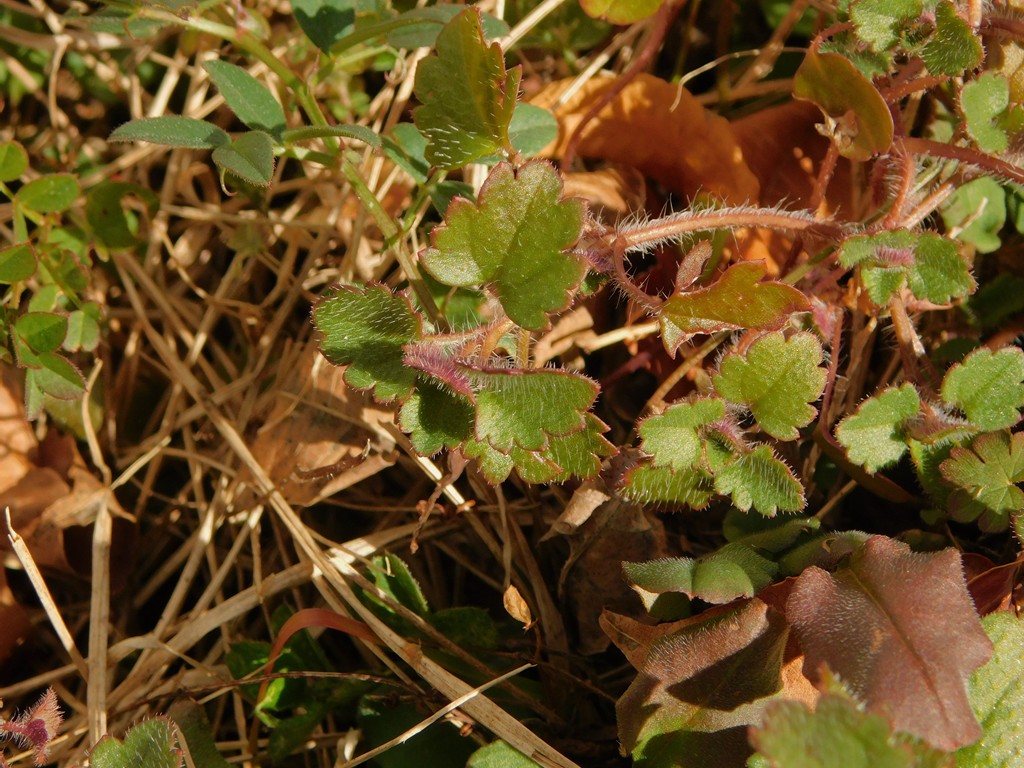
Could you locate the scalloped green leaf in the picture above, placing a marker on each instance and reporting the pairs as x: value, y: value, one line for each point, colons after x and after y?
x: 152, y: 744
x: 988, y: 387
x: 674, y: 438
x: 954, y: 47
x: 649, y: 484
x: 732, y: 572
x: 761, y: 480
x: 513, y: 240
x: 250, y: 100
x: 620, y: 11
x: 366, y: 329
x: 532, y: 128
x: 873, y: 436
x: 524, y: 408
x: 53, y: 193
x: 997, y: 697
x: 880, y: 23
x: 436, y: 418
x: 983, y: 101
x: 17, y: 262
x: 738, y: 299
x: 579, y: 454
x: 939, y: 273
x: 467, y: 96
x: 172, y: 131
x: 986, y: 478
x: 13, y: 160
x: 777, y: 378
x: 976, y: 212
x: 861, y: 123
x: 494, y: 465
x: 250, y: 157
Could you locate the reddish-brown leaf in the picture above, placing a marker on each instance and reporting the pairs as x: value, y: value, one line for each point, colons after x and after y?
x: 899, y: 628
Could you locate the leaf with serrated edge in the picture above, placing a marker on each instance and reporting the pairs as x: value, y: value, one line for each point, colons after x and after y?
x: 988, y: 387
x: 366, y: 329
x: 873, y: 436
x: 900, y: 629
x: 777, y: 379
x: 579, y: 454
x: 879, y: 22
x: 525, y: 407
x: 467, y: 96
x: 514, y: 240
x: 674, y: 438
x: 151, y: 744
x: 954, y: 47
x: 982, y: 101
x: 986, y: 478
x: 734, y: 571
x: 761, y: 480
x: 436, y: 418
x: 738, y: 299
x: 660, y: 485
x: 997, y: 695
x: 494, y: 465
x: 939, y: 273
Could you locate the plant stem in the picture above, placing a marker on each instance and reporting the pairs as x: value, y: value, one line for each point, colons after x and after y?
x: 989, y: 162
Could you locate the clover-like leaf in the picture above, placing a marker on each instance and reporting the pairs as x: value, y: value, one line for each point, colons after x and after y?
x: 52, y: 193
x: 649, y: 484
x: 674, y: 438
x: 988, y: 387
x: 514, y: 241
x: 436, y: 417
x: 738, y: 299
x: 997, y: 696
x: 861, y: 123
x: 250, y: 157
x: 777, y: 379
x: 467, y: 96
x: 873, y: 436
x: 366, y: 329
x: 17, y: 262
x: 954, y: 47
x: 880, y: 22
x: 986, y: 478
x: 900, y: 629
x: 761, y: 480
x: 525, y: 408
x: 736, y: 570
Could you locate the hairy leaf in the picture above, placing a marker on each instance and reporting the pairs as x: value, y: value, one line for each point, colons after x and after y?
x: 250, y: 157
x: 366, y: 329
x: 986, y: 478
x: 514, y: 240
x: 939, y: 273
x: 151, y: 743
x: 777, y: 379
x: 247, y: 97
x: 436, y: 418
x: 976, y: 212
x: 660, y: 485
x: 467, y: 96
x: 873, y: 436
x: 701, y: 683
x: 675, y: 438
x: 954, y: 47
x: 900, y: 629
x: 525, y: 408
x: 579, y: 454
x: 983, y: 100
x: 880, y: 22
x: 761, y: 480
x: 738, y: 299
x: 736, y: 570
x: 997, y: 695
x: 988, y: 387
x: 172, y: 131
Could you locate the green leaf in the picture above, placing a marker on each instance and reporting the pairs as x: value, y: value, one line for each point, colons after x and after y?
x: 436, y: 418
x: 198, y: 733
x: 983, y: 101
x: 761, y: 480
x: 392, y: 576
x: 247, y: 97
x: 777, y: 379
x: 325, y: 22
x: 977, y: 213
x: 880, y: 23
x: 13, y: 160
x: 494, y: 465
x: 152, y: 744
x: 498, y: 754
x: 49, y: 194
x: 532, y: 128
x: 57, y: 377
x: 17, y: 262
x: 620, y: 11
x: 42, y: 331
x: 579, y: 454
x: 425, y: 33
x: 734, y: 571
x: 986, y: 478
x: 357, y: 132
x: 115, y: 224
x: 514, y: 241
x: 250, y: 157
x: 997, y: 697
x: 873, y: 436
x: 365, y: 329
x: 738, y: 299
x: 954, y: 47
x: 380, y: 719
x: 675, y: 438
x: 406, y: 146
x: 860, y: 121
x: 648, y: 484
x: 837, y: 732
x: 467, y: 96
x: 988, y: 387
x: 172, y: 131
x: 525, y: 408
x: 939, y: 273
x: 83, y: 328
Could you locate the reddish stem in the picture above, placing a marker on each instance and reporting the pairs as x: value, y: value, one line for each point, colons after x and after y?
x: 991, y: 163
